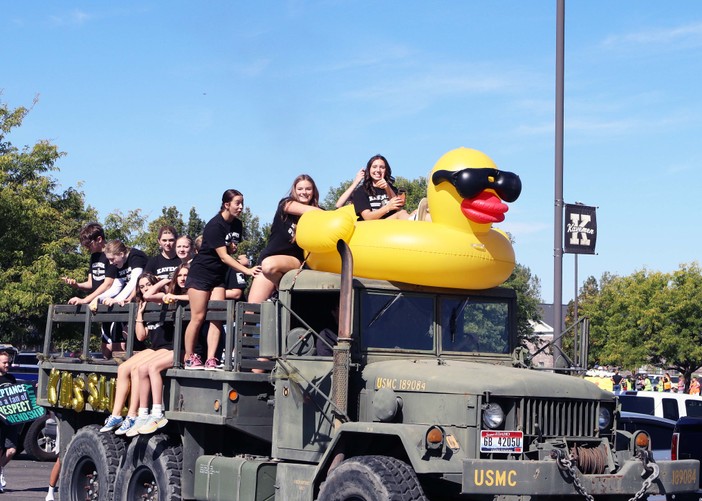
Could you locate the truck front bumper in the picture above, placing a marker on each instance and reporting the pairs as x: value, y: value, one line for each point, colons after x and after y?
x: 544, y: 478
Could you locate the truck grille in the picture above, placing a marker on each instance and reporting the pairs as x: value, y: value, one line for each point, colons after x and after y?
x: 559, y: 418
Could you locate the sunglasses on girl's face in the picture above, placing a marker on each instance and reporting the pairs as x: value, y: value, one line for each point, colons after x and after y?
x: 471, y: 182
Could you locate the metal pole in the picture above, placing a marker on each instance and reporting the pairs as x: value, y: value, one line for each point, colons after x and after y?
x: 575, y: 315
x: 558, y: 209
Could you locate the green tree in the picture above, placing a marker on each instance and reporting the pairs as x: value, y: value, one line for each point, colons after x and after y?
x: 255, y: 236
x: 677, y: 322
x: 588, y: 292
x: 528, y: 290
x: 39, y: 226
x: 128, y: 228
x: 648, y: 318
x: 195, y: 224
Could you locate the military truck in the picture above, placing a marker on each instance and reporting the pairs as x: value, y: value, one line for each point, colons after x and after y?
x: 417, y: 398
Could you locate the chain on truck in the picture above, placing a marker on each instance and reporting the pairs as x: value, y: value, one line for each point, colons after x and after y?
x: 419, y: 398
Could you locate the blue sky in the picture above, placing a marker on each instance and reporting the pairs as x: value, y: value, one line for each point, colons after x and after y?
x: 170, y: 103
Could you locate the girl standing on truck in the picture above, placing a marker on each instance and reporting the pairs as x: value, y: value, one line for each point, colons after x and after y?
x: 207, y: 272
x: 126, y: 373
x: 282, y: 253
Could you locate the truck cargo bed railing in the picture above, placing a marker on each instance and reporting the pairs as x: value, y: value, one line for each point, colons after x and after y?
x: 241, y: 339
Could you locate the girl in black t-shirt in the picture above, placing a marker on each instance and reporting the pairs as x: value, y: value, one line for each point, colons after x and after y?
x: 207, y: 272
x: 159, y: 334
x: 129, y: 264
x: 281, y: 253
x: 150, y: 378
x: 377, y: 198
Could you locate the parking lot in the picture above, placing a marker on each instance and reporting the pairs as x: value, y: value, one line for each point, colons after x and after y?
x: 27, y: 480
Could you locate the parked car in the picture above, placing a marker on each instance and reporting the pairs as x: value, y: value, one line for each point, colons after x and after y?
x: 687, y: 444
x: 25, y: 366
x: 659, y: 429
x: 662, y: 404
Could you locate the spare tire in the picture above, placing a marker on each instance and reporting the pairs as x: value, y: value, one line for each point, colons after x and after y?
x: 38, y: 443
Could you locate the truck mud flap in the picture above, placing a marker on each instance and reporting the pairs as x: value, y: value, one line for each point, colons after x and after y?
x: 545, y: 478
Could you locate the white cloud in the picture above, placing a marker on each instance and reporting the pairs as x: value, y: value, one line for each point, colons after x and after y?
x: 76, y: 17
x: 689, y: 35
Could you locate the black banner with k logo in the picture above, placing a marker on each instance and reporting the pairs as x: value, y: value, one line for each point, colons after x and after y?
x: 580, y: 229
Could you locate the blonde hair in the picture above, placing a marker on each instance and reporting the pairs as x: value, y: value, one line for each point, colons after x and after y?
x: 116, y: 247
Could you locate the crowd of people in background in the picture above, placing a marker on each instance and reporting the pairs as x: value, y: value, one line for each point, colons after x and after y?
x: 645, y: 382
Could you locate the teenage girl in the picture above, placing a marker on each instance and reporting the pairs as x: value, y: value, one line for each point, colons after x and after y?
x: 185, y: 248
x: 126, y: 264
x: 376, y: 198
x: 282, y: 253
x: 207, y: 272
x: 150, y: 379
x: 126, y: 372
x: 130, y: 264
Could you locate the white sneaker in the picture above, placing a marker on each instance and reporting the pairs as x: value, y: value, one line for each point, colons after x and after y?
x: 134, y: 430
x: 3, y: 483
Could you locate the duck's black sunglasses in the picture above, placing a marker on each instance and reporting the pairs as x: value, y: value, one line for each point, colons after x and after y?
x: 471, y: 182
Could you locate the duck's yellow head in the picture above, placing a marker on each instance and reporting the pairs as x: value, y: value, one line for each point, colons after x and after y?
x: 466, y: 190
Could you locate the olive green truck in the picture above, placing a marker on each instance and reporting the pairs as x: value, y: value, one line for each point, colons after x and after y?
x: 418, y: 399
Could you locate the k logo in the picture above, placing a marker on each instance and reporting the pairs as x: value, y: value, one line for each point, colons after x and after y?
x: 580, y: 229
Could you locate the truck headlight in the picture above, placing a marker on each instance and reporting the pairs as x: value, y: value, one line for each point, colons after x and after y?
x: 493, y: 416
x: 605, y: 418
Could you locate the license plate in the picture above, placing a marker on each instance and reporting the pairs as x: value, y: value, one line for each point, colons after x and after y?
x: 501, y: 441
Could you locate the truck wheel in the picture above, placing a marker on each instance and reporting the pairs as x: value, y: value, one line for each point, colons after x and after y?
x: 151, y: 470
x: 372, y: 478
x: 90, y: 464
x: 37, y: 443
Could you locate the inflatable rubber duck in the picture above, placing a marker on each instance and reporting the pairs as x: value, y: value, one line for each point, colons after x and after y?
x: 458, y: 248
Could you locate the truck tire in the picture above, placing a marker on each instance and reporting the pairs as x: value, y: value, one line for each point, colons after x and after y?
x: 90, y: 464
x: 151, y: 470
x: 37, y: 443
x: 372, y: 478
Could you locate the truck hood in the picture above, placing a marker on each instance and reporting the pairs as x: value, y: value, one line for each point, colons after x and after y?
x: 463, y: 377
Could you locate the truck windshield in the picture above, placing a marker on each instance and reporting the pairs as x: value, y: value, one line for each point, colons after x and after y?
x: 473, y: 325
x: 397, y: 321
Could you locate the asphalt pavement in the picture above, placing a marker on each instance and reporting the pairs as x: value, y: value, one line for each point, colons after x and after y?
x: 27, y: 480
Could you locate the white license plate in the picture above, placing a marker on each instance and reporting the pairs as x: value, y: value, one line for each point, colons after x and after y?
x: 501, y: 441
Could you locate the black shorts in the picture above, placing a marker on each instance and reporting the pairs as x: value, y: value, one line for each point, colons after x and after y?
x: 9, y: 435
x: 203, y: 279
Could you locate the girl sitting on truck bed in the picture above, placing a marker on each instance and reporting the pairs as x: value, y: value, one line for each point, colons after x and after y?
x: 160, y: 334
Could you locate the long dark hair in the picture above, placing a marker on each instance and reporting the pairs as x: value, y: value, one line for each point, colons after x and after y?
x: 153, y: 280
x: 367, y: 180
x: 228, y: 196
x: 173, y: 287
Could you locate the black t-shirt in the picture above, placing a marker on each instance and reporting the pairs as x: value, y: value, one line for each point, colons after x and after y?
x: 217, y: 233
x: 7, y: 378
x: 160, y: 335
x: 235, y: 280
x: 162, y: 266
x: 617, y: 378
x: 135, y: 259
x: 280, y: 241
x: 98, y: 266
x: 375, y: 200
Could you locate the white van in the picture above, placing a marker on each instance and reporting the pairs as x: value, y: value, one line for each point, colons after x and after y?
x: 661, y: 403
